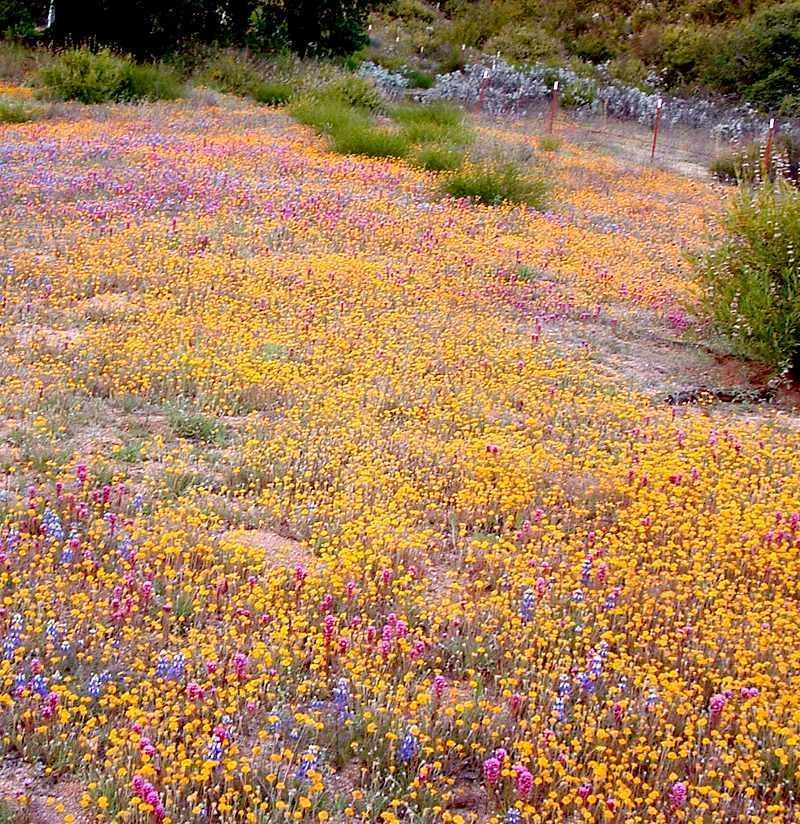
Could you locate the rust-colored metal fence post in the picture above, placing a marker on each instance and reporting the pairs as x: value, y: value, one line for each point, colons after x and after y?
x: 656, y: 124
x: 553, y: 108
x: 768, y: 147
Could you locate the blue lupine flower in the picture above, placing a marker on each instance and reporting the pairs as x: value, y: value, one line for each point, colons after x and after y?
x: 586, y: 570
x: 214, y: 752
x: 408, y: 748
x: 51, y: 525
x: 162, y: 665
x: 341, y: 696
x: 558, y: 709
x: 138, y: 501
x: 94, y: 687
x: 513, y: 816
x: 652, y: 699
x: 578, y: 596
x: 528, y: 603
x: 176, y: 667
x: 564, y: 685
x: 39, y: 685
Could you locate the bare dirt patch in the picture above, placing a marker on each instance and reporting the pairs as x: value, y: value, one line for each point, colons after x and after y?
x: 35, y: 800
x: 279, y: 550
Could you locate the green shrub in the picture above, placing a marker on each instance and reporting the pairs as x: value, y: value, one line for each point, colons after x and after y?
x: 14, y: 113
x: 369, y: 141
x: 230, y: 73
x: 418, y: 79
x: 436, y: 158
x: 101, y: 77
x: 760, y: 56
x: 683, y: 53
x: 150, y: 81
x: 496, y: 183
x: 522, y: 44
x: 414, y: 10
x: 78, y: 74
x: 453, y: 61
x: 629, y: 70
x: 272, y: 94
x: 354, y: 91
x: 752, y: 276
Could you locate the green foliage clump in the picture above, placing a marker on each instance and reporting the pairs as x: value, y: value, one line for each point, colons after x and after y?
x: 327, y: 115
x: 417, y: 79
x: 761, y: 57
x: 369, y: 141
x: 14, y: 113
x: 494, y: 183
x: 101, y: 77
x: 354, y: 91
x: 432, y: 123
x: 437, y: 158
x: 752, y: 276
x: 272, y: 94
x: 230, y: 73
x: 525, y: 44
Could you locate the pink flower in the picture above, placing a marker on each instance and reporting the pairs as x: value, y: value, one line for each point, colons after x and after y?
x: 523, y: 782
x: 439, y: 685
x: 677, y: 795
x: 491, y: 770
x: 716, y: 704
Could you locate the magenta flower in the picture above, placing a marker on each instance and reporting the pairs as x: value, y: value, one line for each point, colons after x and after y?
x: 491, y: 770
x: 677, y: 795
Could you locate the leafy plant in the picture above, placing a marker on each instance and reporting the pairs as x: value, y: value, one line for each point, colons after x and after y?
x: 752, y: 276
x: 101, y: 77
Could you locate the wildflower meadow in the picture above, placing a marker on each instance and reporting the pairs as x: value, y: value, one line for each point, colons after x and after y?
x: 322, y: 501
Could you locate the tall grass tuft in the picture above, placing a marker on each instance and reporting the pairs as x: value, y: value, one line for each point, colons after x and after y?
x: 752, y: 275
x: 494, y: 183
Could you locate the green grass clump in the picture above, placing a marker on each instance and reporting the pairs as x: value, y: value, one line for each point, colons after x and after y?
x: 495, y: 183
x: 327, y: 116
x: 548, y: 143
x: 432, y: 123
x: 272, y: 94
x: 102, y: 77
x: 14, y: 113
x: 369, y: 141
x: 752, y: 276
x: 438, y: 158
